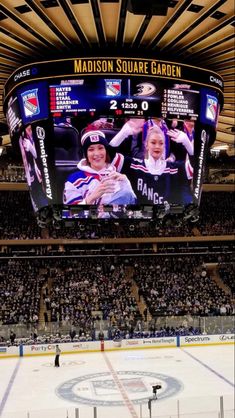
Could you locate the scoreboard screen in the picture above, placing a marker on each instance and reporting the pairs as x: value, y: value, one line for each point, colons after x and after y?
x: 123, y: 96
x: 113, y: 132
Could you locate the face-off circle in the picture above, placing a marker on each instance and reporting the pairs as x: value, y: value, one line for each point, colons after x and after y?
x: 65, y: 363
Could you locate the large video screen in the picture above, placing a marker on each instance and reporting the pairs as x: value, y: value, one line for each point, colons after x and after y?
x: 113, y: 135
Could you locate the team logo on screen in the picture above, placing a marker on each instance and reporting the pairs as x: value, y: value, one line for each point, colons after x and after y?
x: 113, y: 87
x: 211, y: 108
x: 145, y: 89
x: 30, y: 102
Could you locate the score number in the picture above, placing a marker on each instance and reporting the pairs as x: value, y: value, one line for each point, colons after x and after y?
x: 114, y: 105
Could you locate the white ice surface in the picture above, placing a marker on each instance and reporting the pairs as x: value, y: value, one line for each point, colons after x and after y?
x: 192, y: 379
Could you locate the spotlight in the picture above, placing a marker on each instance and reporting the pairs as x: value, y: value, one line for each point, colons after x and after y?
x: 3, y: 150
x: 191, y: 213
x: 195, y: 218
x: 44, y: 217
x: 56, y: 214
x: 56, y: 224
x: 162, y: 211
x: 41, y: 224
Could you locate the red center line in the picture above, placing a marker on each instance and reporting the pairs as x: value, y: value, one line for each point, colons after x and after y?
x: 127, y: 401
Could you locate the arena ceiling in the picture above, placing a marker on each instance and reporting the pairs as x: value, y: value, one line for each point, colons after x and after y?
x: 198, y: 32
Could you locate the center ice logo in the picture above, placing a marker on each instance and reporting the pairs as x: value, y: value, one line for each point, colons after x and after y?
x: 102, y: 389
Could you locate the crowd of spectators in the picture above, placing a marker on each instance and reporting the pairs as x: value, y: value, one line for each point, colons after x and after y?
x: 12, y: 174
x: 11, y: 167
x: 180, y: 286
x: 227, y: 274
x: 85, y: 291
x: 217, y: 214
x: 123, y: 229
x: 20, y: 286
x: 152, y: 332
x: 17, y: 220
x: 113, y: 333
x: 91, y: 290
x: 216, y: 218
x: 218, y: 170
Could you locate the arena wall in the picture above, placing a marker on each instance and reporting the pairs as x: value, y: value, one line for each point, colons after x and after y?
x: 129, y: 344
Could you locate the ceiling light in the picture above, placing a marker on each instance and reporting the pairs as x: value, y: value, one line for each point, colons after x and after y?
x: 220, y: 147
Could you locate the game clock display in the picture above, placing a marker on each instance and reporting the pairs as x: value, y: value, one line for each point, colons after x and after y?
x: 114, y: 97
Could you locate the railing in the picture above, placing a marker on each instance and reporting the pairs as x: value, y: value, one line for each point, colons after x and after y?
x: 205, y: 325
x: 186, y: 407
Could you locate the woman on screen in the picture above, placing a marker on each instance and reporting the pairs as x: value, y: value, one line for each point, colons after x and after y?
x: 178, y: 142
x: 98, y: 180
x: 154, y: 179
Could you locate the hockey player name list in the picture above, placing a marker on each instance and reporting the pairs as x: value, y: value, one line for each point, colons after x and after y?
x: 176, y: 102
x: 61, y: 98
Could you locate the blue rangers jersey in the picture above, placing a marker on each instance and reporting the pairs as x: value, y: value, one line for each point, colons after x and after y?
x: 168, y: 183
x: 84, y: 181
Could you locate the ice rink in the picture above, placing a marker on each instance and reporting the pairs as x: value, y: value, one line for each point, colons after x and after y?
x: 195, y: 382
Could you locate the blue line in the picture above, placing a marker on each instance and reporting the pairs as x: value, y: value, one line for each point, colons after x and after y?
x: 209, y: 368
x: 9, y: 386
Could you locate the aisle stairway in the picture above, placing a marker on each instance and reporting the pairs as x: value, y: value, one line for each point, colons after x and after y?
x: 213, y: 271
x: 135, y: 293
x: 43, y: 309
